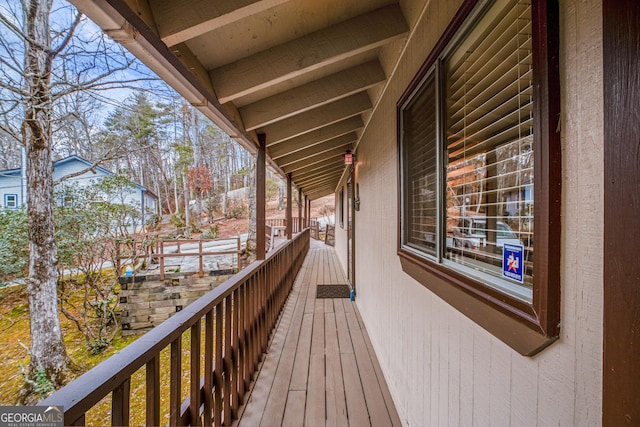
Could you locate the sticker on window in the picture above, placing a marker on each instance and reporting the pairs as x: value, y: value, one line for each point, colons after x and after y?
x: 513, y: 262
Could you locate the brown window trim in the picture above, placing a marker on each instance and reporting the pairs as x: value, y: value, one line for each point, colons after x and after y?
x: 527, y: 328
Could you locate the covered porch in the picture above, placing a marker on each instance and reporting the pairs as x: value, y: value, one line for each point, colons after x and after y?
x: 320, y: 367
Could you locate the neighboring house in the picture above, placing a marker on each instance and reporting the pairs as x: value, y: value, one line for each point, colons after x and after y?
x: 13, y: 188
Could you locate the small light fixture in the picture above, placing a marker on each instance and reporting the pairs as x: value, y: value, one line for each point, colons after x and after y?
x: 348, y: 157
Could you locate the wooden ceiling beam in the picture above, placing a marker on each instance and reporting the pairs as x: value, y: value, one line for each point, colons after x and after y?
x: 318, y: 193
x: 308, y: 53
x: 309, y: 181
x: 311, y: 95
x: 309, y: 139
x: 344, y: 141
x: 321, y: 180
x: 316, y: 174
x: 335, y: 152
x: 182, y: 20
x: 317, y: 118
x: 329, y: 162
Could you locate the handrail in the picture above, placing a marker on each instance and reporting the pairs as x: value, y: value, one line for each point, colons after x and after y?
x: 200, y: 254
x: 245, y: 308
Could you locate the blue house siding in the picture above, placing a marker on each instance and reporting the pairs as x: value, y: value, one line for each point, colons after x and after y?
x: 10, y: 183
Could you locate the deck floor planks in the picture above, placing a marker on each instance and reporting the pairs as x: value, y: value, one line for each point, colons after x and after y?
x: 278, y: 396
x: 318, y: 370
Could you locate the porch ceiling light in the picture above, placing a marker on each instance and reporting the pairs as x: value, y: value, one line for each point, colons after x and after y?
x: 349, y: 157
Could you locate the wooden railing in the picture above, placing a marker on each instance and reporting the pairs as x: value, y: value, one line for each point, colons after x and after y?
x: 330, y: 235
x: 281, y: 223
x: 238, y: 318
x: 151, y: 248
x: 162, y: 244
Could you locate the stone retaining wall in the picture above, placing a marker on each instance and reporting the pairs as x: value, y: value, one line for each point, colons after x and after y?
x: 147, y: 301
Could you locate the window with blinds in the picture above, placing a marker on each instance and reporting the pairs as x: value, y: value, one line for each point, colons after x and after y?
x: 489, y: 128
x: 467, y: 184
x: 419, y: 130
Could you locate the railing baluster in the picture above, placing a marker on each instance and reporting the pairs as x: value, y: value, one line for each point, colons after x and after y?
x: 247, y: 335
x: 208, y: 368
x: 153, y: 391
x: 175, y: 399
x: 242, y: 350
x: 217, y: 403
x: 234, y: 355
x: 120, y: 404
x: 227, y: 361
x: 194, y: 387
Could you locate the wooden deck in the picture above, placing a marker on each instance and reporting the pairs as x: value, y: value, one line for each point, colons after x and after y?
x: 320, y: 368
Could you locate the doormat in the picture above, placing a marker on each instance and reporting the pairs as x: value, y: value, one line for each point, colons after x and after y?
x: 333, y: 291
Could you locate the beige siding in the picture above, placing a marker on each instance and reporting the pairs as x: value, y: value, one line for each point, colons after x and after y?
x: 442, y: 368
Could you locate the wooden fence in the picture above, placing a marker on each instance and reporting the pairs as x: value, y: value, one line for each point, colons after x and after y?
x: 238, y: 318
x: 152, y: 249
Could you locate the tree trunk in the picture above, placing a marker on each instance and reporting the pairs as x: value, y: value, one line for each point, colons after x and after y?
x: 251, y: 238
x: 48, y: 352
x: 187, y: 215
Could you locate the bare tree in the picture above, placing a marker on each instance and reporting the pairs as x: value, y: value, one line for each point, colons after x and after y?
x: 41, y: 64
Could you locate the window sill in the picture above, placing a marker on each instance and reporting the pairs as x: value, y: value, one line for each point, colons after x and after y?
x: 513, y: 322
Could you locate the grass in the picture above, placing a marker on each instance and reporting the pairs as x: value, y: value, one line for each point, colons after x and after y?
x: 15, y: 341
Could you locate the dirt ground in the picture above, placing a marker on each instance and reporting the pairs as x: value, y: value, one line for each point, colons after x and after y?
x: 234, y: 226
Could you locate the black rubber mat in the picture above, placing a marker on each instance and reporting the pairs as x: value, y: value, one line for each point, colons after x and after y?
x: 333, y: 291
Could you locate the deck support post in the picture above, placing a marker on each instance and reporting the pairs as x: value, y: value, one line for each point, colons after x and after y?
x: 300, y: 223
x: 289, y: 227
x: 260, y: 198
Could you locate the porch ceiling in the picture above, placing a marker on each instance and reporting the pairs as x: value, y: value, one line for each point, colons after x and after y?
x: 306, y: 73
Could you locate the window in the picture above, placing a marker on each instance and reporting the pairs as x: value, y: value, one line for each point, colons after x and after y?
x: 476, y: 142
x: 11, y: 201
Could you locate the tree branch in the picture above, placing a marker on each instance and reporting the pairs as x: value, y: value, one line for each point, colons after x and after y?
x: 18, y: 32
x: 56, y: 51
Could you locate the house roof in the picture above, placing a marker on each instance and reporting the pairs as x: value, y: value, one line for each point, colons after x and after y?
x: 305, y: 73
x: 87, y: 163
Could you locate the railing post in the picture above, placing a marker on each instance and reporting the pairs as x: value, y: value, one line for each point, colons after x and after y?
x: 120, y: 404
x: 175, y: 387
x: 300, y: 227
x: 260, y: 197
x: 201, y: 271
x: 289, y: 226
x: 153, y: 391
x: 194, y: 386
x: 238, y: 254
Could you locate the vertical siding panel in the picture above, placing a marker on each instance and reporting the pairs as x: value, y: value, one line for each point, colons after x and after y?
x: 589, y: 292
x: 466, y: 374
x: 481, y: 378
x: 524, y: 392
x: 453, y: 373
x: 500, y: 387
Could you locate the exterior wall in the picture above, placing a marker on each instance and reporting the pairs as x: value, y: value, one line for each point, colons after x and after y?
x: 89, y: 178
x: 441, y: 367
x: 10, y: 185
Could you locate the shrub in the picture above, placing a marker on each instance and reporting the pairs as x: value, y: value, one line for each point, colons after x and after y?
x: 177, y: 220
x: 212, y: 232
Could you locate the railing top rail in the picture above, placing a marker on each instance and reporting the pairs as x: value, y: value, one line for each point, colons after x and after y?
x: 88, y: 389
